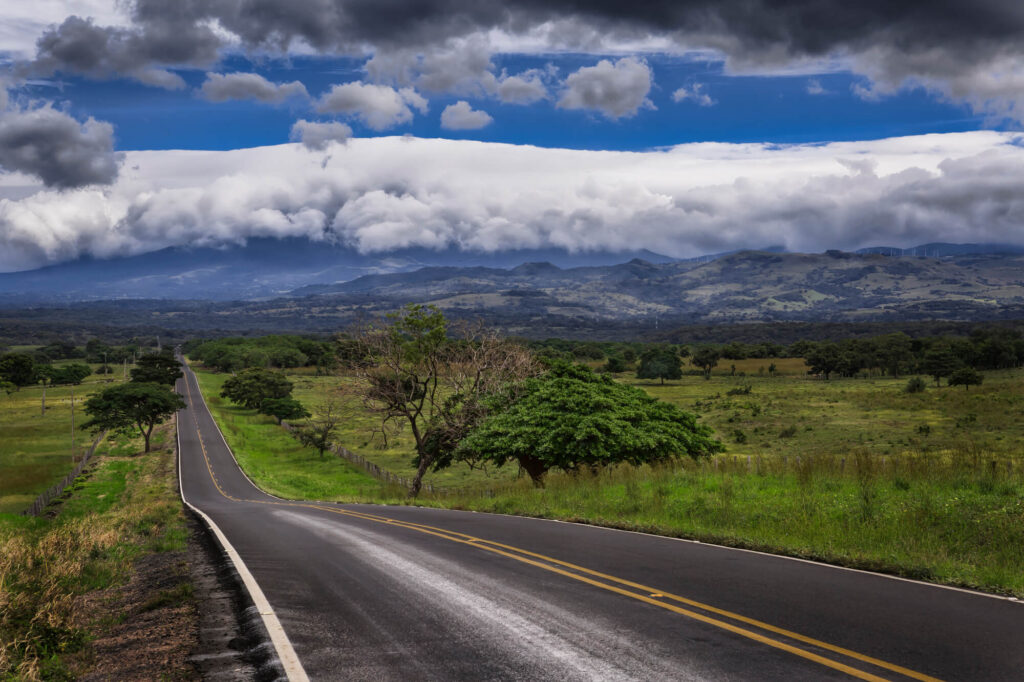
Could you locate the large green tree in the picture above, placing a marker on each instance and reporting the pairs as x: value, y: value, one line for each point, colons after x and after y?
x: 18, y: 369
x: 283, y: 408
x: 939, y: 361
x: 250, y: 387
x: 73, y: 373
x: 131, y: 407
x: 660, y: 363
x: 417, y: 376
x: 966, y: 377
x: 157, y: 368
x: 824, y: 358
x: 571, y: 417
x: 705, y: 357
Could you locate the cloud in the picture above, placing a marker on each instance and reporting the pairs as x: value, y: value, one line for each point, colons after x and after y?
x: 525, y: 88
x: 54, y: 147
x: 616, y: 90
x: 221, y: 87
x: 378, y: 106
x: 380, y: 194
x: 318, y: 136
x: 973, y: 55
x: 461, y: 116
x: 695, y: 94
x: 79, y: 46
x: 814, y: 87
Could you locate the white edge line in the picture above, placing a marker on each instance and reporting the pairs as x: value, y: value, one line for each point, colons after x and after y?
x: 812, y: 562
x: 823, y: 564
x: 279, y: 638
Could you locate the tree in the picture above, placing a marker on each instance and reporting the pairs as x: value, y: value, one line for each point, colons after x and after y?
x: 18, y: 368
x: 616, y: 363
x: 131, y: 407
x: 250, y: 387
x: 660, y: 363
x: 571, y: 417
x: 705, y: 357
x: 74, y: 373
x: 415, y: 375
x: 824, y: 358
x: 939, y: 362
x: 894, y: 352
x: 283, y: 408
x: 157, y: 368
x: 966, y: 377
x: 320, y: 433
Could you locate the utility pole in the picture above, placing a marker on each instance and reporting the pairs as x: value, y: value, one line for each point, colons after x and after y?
x: 125, y: 362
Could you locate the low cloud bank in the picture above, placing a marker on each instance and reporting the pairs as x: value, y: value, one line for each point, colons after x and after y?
x: 380, y: 194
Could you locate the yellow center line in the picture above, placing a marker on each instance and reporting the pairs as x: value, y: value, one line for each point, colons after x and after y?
x: 652, y: 596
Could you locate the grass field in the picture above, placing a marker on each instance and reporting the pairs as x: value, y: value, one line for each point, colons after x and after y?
x: 35, y: 449
x: 851, y: 471
x: 275, y: 460
x: 127, y: 507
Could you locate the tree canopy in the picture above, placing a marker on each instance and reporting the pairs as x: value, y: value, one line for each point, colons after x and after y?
x: 251, y: 387
x: 132, y: 407
x: 283, y: 408
x: 157, y: 368
x: 966, y: 377
x: 705, y: 357
x: 18, y: 369
x: 660, y: 363
x: 571, y: 417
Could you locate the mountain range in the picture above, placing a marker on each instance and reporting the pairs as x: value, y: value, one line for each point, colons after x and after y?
x: 249, y: 290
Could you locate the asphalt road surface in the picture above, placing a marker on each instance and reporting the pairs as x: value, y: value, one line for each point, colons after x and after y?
x: 367, y: 592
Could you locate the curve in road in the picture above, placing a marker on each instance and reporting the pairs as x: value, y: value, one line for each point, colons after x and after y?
x: 375, y: 592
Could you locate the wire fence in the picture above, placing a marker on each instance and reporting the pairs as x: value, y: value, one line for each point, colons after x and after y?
x: 57, y: 489
x: 379, y: 472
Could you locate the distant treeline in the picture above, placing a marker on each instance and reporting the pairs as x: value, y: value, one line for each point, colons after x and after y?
x: 281, y: 351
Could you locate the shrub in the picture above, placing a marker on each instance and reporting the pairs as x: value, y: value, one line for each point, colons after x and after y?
x: 915, y: 385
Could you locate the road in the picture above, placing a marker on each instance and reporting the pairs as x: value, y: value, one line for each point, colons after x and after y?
x: 368, y: 592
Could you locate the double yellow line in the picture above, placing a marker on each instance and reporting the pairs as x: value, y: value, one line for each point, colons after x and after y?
x: 626, y: 588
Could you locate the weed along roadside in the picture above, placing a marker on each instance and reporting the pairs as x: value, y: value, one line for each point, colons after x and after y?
x: 104, y: 583
x: 839, y: 471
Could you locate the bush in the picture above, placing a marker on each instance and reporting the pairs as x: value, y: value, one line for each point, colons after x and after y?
x: 915, y: 385
x: 787, y: 432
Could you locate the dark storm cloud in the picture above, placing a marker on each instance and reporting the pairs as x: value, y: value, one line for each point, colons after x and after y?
x: 964, y: 50
x: 57, y: 149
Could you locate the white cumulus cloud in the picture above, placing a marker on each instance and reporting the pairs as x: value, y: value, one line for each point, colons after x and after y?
x: 617, y: 90
x: 386, y: 193
x: 318, y: 136
x: 221, y: 87
x: 378, y: 106
x: 461, y: 116
x: 695, y: 93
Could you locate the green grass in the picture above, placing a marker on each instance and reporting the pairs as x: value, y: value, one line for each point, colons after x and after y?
x: 35, y: 449
x: 125, y: 507
x: 276, y: 461
x: 840, y: 471
x: 934, y: 522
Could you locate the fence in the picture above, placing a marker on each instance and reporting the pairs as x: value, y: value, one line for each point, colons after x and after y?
x: 58, y: 488
x: 377, y: 472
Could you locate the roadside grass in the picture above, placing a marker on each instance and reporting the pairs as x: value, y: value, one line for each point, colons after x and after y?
x: 278, y: 463
x: 945, y: 522
x: 123, y: 508
x: 35, y: 449
x: 850, y: 471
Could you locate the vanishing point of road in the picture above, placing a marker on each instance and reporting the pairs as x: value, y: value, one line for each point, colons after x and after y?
x: 366, y: 592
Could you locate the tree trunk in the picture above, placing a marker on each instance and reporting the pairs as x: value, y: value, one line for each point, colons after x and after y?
x: 44, y: 399
x: 535, y: 468
x: 146, y: 434
x: 421, y: 470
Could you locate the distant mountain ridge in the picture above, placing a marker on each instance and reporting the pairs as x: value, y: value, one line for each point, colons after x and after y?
x: 261, y: 268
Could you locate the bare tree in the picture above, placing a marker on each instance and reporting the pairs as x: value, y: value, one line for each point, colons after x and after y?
x: 419, y: 376
x: 321, y: 430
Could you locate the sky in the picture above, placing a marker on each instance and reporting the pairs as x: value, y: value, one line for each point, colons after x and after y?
x: 684, y: 126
